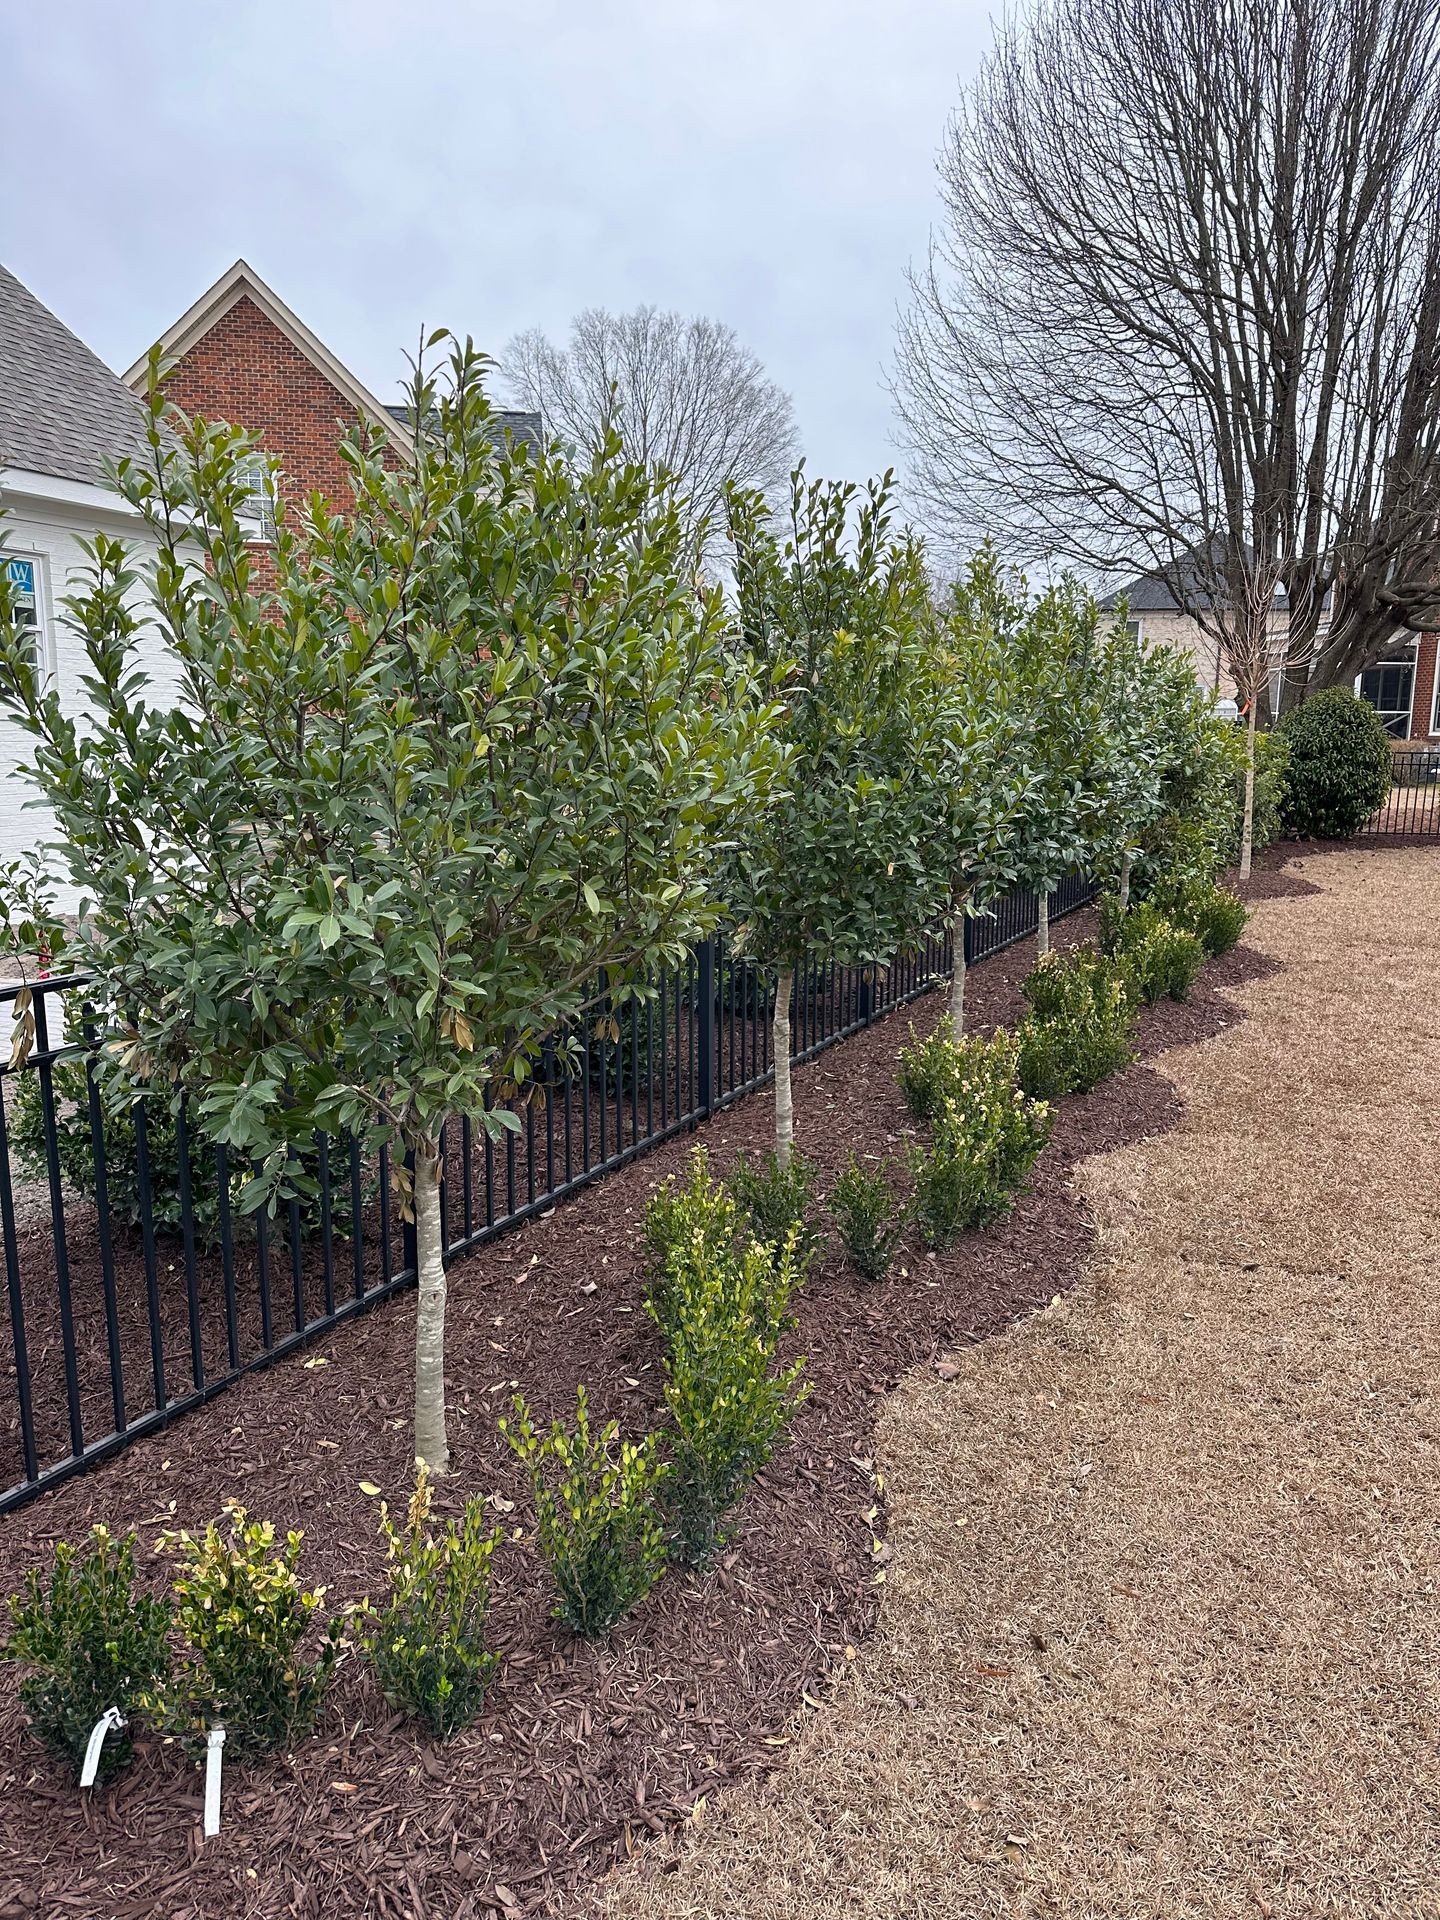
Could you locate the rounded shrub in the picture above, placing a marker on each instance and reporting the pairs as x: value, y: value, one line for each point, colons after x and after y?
x: 1340, y: 767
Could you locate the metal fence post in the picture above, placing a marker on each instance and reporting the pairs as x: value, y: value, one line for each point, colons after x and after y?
x: 705, y: 1025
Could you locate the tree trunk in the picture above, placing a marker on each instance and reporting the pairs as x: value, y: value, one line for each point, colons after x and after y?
x: 1247, y: 824
x: 957, y: 972
x: 430, y: 1442
x: 780, y: 1046
x: 1042, y: 932
x: 1125, y: 881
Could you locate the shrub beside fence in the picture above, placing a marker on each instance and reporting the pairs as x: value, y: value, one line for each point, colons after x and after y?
x: 114, y: 1328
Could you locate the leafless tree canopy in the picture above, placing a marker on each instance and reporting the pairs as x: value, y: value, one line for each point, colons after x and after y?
x: 685, y: 395
x: 1184, y: 312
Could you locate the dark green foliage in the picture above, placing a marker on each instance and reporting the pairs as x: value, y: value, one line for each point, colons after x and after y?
x: 927, y: 1070
x: 1216, y: 917
x: 987, y: 1137
x: 74, y: 1144
x: 778, y: 1203
x: 1272, y: 769
x: 427, y: 1642
x: 1159, y: 956
x: 598, y: 1517
x: 728, y: 1403
x: 869, y: 1219
x: 1081, y: 1024
x: 90, y: 1643
x: 245, y: 1617
x: 1340, y: 766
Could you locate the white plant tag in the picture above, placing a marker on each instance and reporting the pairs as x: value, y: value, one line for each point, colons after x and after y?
x: 214, y: 1741
x: 111, y: 1718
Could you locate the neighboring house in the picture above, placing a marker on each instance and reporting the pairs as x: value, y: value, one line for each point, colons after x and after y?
x: 242, y: 355
x: 63, y: 417
x: 1402, y: 686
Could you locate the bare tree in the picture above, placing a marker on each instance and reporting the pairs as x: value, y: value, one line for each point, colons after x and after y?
x: 1184, y: 316
x: 684, y: 394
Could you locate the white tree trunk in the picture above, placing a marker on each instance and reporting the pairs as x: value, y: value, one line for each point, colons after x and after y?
x: 1247, y: 824
x: 780, y: 1047
x: 957, y: 973
x: 1125, y: 882
x: 430, y: 1441
x: 1042, y: 932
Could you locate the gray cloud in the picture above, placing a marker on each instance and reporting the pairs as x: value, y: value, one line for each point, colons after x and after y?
x: 493, y: 167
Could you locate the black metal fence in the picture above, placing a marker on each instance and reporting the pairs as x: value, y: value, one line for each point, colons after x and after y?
x: 136, y: 1289
x: 1412, y: 810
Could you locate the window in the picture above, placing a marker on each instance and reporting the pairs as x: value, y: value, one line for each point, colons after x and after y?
x: 27, y: 602
x: 257, y: 516
x: 1389, y: 688
x: 1132, y: 627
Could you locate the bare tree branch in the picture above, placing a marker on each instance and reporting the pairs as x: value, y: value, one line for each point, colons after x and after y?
x: 1183, y: 316
x: 684, y: 394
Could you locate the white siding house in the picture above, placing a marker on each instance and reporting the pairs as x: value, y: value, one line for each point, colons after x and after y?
x: 63, y: 416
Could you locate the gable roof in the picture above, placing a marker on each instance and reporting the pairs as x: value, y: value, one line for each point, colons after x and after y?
x: 62, y: 411
x: 242, y: 282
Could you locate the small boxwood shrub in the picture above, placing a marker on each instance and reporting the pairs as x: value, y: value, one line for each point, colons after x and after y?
x: 245, y: 1616
x: 1340, y: 766
x: 1159, y: 956
x: 727, y: 1400
x: 426, y: 1642
x: 869, y: 1219
x: 1215, y: 916
x: 928, y: 1071
x: 89, y: 1642
x: 987, y: 1137
x: 1081, y: 1024
x: 598, y: 1517
x: 778, y: 1203
x: 676, y: 1212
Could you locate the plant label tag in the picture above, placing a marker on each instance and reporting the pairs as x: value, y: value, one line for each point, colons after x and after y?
x: 112, y: 1717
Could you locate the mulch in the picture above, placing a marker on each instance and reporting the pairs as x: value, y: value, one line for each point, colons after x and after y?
x: 582, y: 1751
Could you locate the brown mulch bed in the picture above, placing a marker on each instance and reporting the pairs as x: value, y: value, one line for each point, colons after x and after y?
x: 582, y: 1751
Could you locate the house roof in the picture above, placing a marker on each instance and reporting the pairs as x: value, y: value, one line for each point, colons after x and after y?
x: 1151, y: 592
x: 62, y: 411
x: 241, y: 282
x: 525, y: 428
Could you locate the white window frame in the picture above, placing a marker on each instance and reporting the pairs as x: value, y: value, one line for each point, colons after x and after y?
x: 258, y: 518
x: 1414, y: 665
x: 44, y: 617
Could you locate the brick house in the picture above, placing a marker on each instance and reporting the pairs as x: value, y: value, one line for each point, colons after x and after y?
x: 242, y: 355
x: 1402, y: 685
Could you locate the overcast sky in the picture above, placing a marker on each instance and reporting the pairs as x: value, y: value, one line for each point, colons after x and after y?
x: 492, y: 167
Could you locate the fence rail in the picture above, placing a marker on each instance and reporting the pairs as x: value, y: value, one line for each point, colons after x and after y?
x: 136, y: 1291
x: 1412, y: 809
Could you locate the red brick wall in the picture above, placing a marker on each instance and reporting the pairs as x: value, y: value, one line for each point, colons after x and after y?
x: 1424, y: 707
x: 246, y: 371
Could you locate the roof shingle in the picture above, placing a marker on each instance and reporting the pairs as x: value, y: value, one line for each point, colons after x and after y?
x: 62, y: 411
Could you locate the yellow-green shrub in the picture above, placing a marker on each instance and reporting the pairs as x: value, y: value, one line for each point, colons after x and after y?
x: 245, y: 1615
x: 597, y: 1508
x: 427, y: 1643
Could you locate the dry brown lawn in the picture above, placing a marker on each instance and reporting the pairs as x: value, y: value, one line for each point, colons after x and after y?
x: 1159, y: 1634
